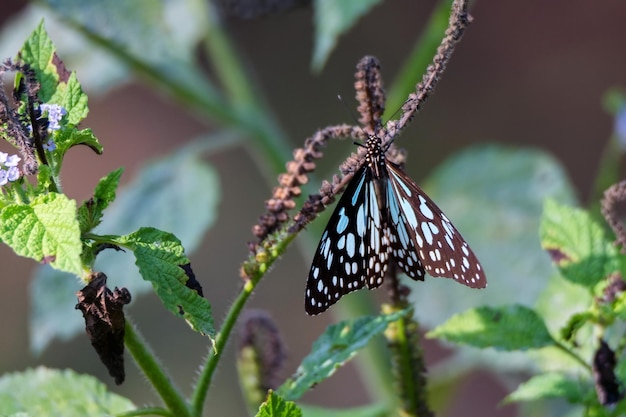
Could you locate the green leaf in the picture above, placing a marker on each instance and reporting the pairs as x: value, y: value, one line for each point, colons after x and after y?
x: 336, y: 346
x: 276, y: 406
x: 494, y: 195
x: 374, y: 410
x: 58, y: 85
x: 161, y: 258
x: 332, y: 19
x: 507, y: 328
x: 619, y: 306
x: 550, y: 385
x: 46, y: 392
x: 574, y: 324
x: 45, y: 230
x: 38, y: 51
x: 577, y: 244
x: 67, y: 138
x: 70, y: 96
x: 90, y: 212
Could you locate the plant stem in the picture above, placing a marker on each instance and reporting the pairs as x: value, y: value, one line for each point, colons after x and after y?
x: 154, y: 371
x: 202, y: 387
x: 148, y: 411
x: 577, y: 358
x: 260, y: 268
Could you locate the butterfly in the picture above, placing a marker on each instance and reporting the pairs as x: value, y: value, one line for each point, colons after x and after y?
x: 383, y: 216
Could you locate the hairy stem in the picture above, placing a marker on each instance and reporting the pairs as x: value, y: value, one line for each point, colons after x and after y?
x: 154, y: 372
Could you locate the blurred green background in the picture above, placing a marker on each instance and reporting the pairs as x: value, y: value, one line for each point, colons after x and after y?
x: 529, y: 73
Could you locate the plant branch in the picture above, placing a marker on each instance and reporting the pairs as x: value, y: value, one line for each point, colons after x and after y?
x: 252, y: 271
x: 573, y: 355
x: 154, y: 371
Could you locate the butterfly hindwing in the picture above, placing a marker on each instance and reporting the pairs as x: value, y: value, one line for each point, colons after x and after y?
x: 440, y: 247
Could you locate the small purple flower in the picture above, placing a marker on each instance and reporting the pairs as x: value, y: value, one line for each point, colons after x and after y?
x: 50, y: 145
x: 13, y: 174
x: 12, y: 161
x: 55, y: 114
x: 8, y: 168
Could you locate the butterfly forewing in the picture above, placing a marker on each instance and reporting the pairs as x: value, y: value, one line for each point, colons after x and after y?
x: 439, y: 246
x: 354, y: 250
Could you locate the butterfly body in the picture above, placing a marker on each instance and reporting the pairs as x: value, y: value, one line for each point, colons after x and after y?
x: 383, y: 217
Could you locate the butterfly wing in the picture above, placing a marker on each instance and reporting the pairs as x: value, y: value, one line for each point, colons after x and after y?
x: 354, y: 248
x: 420, y: 229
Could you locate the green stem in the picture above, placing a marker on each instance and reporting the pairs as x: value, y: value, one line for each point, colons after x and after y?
x: 204, y: 382
x: 148, y: 411
x: 154, y: 371
x: 226, y: 63
x: 405, y: 366
x: 260, y: 269
x: 577, y: 358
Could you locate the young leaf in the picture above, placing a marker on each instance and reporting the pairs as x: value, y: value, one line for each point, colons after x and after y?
x: 67, y: 138
x: 69, y: 95
x: 38, y: 51
x: 90, y: 212
x: 577, y: 244
x: 58, y: 85
x: 332, y: 18
x: 50, y: 392
x: 162, y: 261
x: 551, y: 385
x: 508, y: 328
x: 45, y: 230
x: 336, y: 346
x: 276, y: 406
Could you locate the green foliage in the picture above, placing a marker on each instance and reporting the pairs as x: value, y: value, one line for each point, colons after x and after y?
x: 507, y: 328
x: 161, y: 258
x: 581, y: 298
x: 91, y: 211
x: 276, y: 406
x: 550, y: 385
x: 57, y: 86
x: 45, y: 230
x: 577, y: 244
x: 336, y: 346
x: 163, y: 194
x: 46, y: 392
